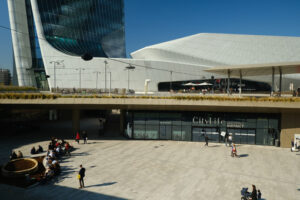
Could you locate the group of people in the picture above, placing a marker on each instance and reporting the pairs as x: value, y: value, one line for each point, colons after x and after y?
x: 84, y: 137
x: 59, y: 148
x: 15, y: 155
x: 254, y: 195
x: 37, y: 150
x: 52, y: 166
x: 228, y: 140
x: 56, y: 149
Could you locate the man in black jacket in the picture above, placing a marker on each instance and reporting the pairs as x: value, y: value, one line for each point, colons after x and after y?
x: 82, y: 174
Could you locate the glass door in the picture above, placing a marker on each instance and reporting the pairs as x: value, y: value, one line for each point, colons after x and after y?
x: 165, y: 132
x: 251, y: 136
x: 197, y: 134
x: 212, y: 134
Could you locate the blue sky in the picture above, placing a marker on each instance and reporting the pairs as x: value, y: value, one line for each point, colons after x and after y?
x: 149, y: 22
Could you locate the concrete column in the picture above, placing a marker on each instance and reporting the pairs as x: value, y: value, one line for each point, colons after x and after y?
x: 289, y: 127
x: 273, y: 75
x: 280, y: 80
x: 75, y: 120
x: 122, y: 121
x: 240, y: 89
x: 228, y: 82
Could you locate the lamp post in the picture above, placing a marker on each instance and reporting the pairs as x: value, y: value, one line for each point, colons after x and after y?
x: 129, y: 68
x: 80, y: 76
x: 109, y: 82
x: 105, y: 63
x: 171, y: 80
x: 54, y: 71
x: 97, y: 78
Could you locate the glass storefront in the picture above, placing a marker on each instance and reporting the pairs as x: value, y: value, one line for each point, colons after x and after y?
x: 245, y: 128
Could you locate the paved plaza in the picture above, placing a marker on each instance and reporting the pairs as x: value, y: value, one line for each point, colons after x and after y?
x: 133, y: 169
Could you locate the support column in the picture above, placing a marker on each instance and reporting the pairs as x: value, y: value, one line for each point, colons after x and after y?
x: 228, y: 82
x: 273, y: 75
x: 280, y: 80
x: 240, y: 89
x: 122, y: 120
x: 75, y: 121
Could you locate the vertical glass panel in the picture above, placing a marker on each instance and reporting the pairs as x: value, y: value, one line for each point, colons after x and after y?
x: 152, y: 118
x: 262, y: 136
x: 213, y: 135
x: 176, y: 133
x: 250, y: 123
x: 152, y: 131
x: 251, y: 136
x: 165, y: 132
x: 243, y: 136
x: 139, y: 118
x: 273, y: 123
x: 186, y: 133
x: 139, y: 131
x: 262, y: 123
x: 198, y: 134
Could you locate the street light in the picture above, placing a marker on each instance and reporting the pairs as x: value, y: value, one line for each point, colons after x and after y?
x: 171, y: 80
x: 109, y: 82
x: 54, y: 71
x: 129, y: 68
x: 79, y: 76
x: 97, y: 78
x: 105, y: 63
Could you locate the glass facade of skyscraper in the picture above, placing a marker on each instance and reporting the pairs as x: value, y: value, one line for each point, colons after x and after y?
x: 77, y: 27
x: 37, y: 61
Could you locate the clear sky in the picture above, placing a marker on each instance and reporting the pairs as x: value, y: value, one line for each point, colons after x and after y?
x: 149, y: 22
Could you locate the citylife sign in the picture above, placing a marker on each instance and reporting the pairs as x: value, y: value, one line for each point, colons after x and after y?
x: 207, y: 120
x: 217, y: 121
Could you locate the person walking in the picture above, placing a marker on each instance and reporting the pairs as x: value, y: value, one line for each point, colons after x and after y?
x: 206, y: 140
x: 234, y: 151
x: 230, y: 139
x: 84, y: 136
x: 81, y: 175
x: 226, y: 138
x: 77, y: 137
x: 258, y: 195
x: 253, y: 193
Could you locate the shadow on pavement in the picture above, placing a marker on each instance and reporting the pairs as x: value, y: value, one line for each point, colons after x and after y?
x: 58, y: 193
x: 102, y: 184
x: 243, y: 155
x: 214, y: 145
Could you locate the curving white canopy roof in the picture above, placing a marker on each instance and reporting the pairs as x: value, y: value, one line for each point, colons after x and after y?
x: 210, y: 49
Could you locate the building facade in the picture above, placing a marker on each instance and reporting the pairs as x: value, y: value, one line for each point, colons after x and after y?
x: 46, y: 33
x: 50, y: 37
x: 5, y: 77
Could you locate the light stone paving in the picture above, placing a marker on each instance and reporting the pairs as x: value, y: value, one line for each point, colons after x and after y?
x: 132, y: 169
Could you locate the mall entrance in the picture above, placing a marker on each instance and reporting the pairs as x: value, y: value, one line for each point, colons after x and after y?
x: 245, y: 128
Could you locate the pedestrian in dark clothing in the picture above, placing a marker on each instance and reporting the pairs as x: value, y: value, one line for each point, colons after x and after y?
x: 13, y: 155
x: 40, y: 149
x: 258, y: 195
x: 84, y: 136
x: 20, y: 154
x: 77, y: 138
x: 206, y: 140
x: 226, y: 138
x: 253, y: 193
x: 33, y: 151
x: 81, y: 176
